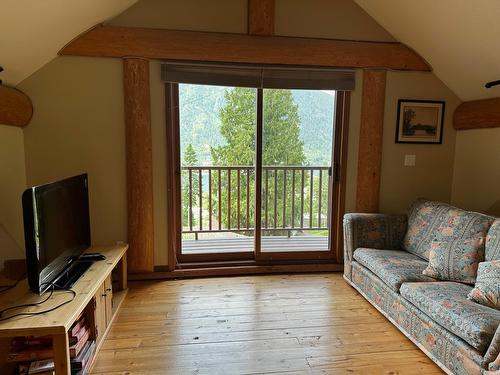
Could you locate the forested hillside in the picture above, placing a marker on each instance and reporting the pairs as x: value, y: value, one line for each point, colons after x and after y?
x: 200, y: 108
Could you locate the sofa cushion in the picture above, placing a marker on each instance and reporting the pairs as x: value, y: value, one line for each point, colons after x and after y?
x: 393, y: 267
x: 423, y: 221
x: 487, y: 288
x: 447, y: 304
x: 434, y: 221
x: 455, y: 260
x: 493, y: 242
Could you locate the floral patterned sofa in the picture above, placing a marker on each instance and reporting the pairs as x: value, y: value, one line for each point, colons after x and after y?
x: 385, y: 257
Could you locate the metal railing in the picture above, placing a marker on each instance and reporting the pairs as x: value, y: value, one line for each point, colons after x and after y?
x: 221, y: 199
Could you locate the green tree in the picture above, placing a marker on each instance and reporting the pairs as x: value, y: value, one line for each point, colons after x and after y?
x: 281, y: 147
x: 190, y: 159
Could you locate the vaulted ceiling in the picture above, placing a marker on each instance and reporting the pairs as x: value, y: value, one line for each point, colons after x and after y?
x: 32, y: 32
x: 459, y: 38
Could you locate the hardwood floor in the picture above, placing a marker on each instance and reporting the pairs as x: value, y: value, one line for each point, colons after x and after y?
x: 279, y: 324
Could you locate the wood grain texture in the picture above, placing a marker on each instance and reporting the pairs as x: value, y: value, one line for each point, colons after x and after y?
x: 342, y: 109
x: 60, y: 320
x: 477, y: 114
x: 370, y: 141
x: 139, y: 165
x: 261, y: 17
x: 293, y: 324
x: 189, y: 270
x: 113, y: 41
x: 16, y: 108
x: 62, y: 363
x: 174, y: 225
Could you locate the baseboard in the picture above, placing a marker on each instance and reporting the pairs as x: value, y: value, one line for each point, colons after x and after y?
x: 238, y: 271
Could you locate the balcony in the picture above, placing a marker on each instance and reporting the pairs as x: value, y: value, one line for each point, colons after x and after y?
x: 218, y: 208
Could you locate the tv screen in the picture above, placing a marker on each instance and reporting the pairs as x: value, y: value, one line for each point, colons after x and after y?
x: 57, y: 228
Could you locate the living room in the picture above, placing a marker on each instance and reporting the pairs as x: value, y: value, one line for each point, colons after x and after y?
x: 349, y: 106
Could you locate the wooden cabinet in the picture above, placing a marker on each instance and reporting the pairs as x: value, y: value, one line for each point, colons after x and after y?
x: 108, y: 296
x: 103, y: 312
x: 94, y: 298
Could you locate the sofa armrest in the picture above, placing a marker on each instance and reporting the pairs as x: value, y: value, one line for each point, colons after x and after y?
x: 492, y: 356
x: 376, y: 231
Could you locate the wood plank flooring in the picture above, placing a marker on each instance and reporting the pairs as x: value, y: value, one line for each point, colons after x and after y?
x: 279, y: 324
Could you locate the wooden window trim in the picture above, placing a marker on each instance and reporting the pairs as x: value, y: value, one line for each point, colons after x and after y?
x: 177, y: 260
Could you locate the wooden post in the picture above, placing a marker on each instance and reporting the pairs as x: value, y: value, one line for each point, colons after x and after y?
x: 139, y: 165
x: 61, y: 354
x: 122, y: 272
x: 261, y: 17
x: 370, y: 141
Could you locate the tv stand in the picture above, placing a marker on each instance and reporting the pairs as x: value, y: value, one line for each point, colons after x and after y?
x: 70, y: 276
x: 99, y: 295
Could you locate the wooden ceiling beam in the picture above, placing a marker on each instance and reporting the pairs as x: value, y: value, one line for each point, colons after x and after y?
x: 477, y: 114
x: 121, y: 42
x: 261, y: 17
x: 16, y: 108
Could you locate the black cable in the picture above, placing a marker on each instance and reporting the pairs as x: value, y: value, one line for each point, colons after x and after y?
x: 52, y: 285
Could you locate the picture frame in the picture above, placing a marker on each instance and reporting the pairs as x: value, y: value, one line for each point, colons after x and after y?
x: 420, y: 121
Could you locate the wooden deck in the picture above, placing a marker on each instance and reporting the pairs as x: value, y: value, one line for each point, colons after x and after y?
x: 280, y: 324
x: 243, y: 244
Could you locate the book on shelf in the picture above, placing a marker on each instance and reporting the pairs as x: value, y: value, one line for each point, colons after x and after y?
x: 81, y: 361
x: 76, y: 348
x: 80, y: 322
x: 31, y: 354
x: 73, y: 339
x: 45, y: 367
x: 20, y: 343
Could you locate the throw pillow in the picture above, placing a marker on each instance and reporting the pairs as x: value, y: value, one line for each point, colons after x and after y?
x: 455, y: 260
x: 487, y: 288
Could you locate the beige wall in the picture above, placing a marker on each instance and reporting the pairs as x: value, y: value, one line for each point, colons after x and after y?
x: 13, y: 183
x: 431, y: 177
x: 78, y: 123
x: 216, y: 15
x: 339, y: 19
x: 77, y: 127
x: 476, y: 179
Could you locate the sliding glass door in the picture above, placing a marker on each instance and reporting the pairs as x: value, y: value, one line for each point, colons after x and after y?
x: 297, y: 138
x: 217, y: 145
x: 257, y: 174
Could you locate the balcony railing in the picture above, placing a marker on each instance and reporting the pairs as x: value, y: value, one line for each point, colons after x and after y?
x: 221, y: 199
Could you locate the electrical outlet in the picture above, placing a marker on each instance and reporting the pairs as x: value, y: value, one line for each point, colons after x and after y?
x: 410, y: 160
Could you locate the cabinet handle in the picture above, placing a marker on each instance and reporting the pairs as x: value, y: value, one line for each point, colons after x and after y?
x: 108, y: 290
x: 103, y: 295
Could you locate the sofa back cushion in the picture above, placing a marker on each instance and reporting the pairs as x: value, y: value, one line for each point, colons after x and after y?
x: 430, y: 221
x: 423, y: 223
x: 455, y: 260
x: 493, y: 242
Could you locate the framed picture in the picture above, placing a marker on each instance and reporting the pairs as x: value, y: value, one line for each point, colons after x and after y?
x: 420, y: 121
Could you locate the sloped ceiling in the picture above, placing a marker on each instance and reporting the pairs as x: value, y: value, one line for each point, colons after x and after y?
x: 459, y: 38
x: 33, y: 31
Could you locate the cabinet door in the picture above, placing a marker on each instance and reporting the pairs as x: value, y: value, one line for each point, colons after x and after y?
x: 100, y: 313
x: 108, y: 291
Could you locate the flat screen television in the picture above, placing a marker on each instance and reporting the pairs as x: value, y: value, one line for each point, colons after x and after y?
x: 56, y: 229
